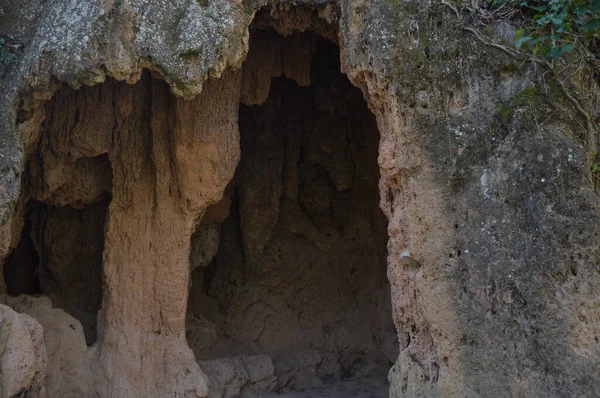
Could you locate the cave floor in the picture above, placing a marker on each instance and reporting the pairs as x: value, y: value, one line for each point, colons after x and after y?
x: 371, y: 383
x: 363, y: 387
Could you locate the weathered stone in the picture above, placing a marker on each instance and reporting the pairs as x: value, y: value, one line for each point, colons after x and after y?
x: 68, y: 357
x: 302, y: 256
x: 258, y: 367
x: 226, y: 377
x: 23, y: 360
x: 491, y: 215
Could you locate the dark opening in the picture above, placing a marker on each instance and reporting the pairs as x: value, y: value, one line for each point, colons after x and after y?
x: 59, y: 253
x: 21, y: 267
x: 292, y: 262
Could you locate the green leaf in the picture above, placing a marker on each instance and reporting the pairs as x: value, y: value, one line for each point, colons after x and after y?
x: 557, y: 52
x: 567, y: 48
x: 537, y: 40
x: 522, y: 40
x: 553, y: 53
x: 538, y: 8
x: 592, y: 26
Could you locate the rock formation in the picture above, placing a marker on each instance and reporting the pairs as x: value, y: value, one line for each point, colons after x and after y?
x: 189, y: 197
x: 301, y: 259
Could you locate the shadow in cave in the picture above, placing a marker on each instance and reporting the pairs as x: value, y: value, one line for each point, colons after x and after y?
x: 21, y: 267
x: 59, y: 254
x: 289, y: 269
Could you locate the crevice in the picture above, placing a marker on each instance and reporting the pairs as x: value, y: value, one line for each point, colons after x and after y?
x: 21, y: 267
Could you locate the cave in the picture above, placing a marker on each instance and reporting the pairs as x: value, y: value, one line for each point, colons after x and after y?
x: 60, y: 255
x: 289, y: 268
x: 229, y: 242
x: 21, y: 267
x: 63, y: 209
x: 196, y: 183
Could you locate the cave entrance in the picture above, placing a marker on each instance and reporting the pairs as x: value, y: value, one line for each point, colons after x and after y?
x: 64, y: 202
x: 59, y: 254
x: 289, y: 269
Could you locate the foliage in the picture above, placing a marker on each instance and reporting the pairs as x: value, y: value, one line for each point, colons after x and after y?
x: 559, y: 26
x: 6, y: 57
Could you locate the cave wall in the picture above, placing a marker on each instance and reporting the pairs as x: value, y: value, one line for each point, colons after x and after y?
x: 515, y: 314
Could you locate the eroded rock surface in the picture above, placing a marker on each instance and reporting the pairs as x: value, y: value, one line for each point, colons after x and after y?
x: 68, y: 357
x: 486, y: 188
x: 127, y: 154
x: 24, y: 358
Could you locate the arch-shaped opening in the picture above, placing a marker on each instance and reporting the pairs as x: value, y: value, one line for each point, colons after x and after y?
x: 63, y: 207
x: 61, y: 214
x: 59, y: 254
x: 289, y: 269
x: 65, y: 195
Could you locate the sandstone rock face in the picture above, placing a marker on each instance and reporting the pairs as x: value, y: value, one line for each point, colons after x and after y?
x: 68, y: 357
x: 192, y: 184
x: 161, y: 338
x: 23, y: 362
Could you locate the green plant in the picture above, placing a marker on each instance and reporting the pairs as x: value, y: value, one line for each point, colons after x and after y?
x: 558, y: 26
x: 6, y: 57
